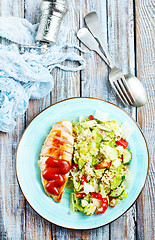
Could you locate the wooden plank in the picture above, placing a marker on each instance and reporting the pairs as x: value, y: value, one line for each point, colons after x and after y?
x: 12, y: 7
x: 32, y: 11
x: 67, y: 84
x: 94, y: 82
x: 12, y: 202
x: 36, y: 226
x: 121, y: 48
x: 146, y: 117
x: 94, y: 79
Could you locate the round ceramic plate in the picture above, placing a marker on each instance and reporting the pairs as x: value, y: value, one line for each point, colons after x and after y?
x: 28, y: 172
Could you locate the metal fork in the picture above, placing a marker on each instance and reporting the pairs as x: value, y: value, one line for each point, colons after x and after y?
x: 116, y: 76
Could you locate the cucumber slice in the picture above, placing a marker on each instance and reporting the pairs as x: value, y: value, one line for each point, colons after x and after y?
x: 116, y: 182
x: 78, y: 207
x: 117, y: 193
x: 124, y: 195
x: 127, y: 156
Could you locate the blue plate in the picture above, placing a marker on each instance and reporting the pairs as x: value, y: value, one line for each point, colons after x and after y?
x: 28, y: 172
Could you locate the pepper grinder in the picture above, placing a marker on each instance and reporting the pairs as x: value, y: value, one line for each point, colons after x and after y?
x: 53, y: 12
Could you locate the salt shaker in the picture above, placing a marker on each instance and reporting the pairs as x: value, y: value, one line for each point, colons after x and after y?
x: 53, y: 12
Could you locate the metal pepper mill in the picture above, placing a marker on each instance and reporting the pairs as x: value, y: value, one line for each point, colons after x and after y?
x: 53, y: 12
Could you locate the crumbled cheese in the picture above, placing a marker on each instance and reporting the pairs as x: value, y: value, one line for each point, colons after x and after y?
x: 120, y: 149
x: 84, y: 203
x: 81, y: 119
x: 88, y: 188
x: 116, y: 163
x: 101, y: 116
x: 127, y: 130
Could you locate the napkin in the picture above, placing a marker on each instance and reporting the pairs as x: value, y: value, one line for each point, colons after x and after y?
x: 27, y: 76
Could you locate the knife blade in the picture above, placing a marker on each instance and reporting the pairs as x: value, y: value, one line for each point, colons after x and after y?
x: 93, y: 24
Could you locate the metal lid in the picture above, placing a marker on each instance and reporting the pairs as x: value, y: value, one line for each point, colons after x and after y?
x: 49, y: 3
x: 54, y: 7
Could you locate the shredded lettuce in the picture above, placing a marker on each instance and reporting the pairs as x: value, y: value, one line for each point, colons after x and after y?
x: 90, y: 209
x: 99, y: 161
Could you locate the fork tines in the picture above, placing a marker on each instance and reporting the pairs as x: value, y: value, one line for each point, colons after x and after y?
x: 123, y: 91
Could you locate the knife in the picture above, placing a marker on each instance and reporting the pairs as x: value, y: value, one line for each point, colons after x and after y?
x: 93, y: 23
x: 87, y: 38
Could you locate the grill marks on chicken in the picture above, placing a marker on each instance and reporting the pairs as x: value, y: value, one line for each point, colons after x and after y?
x: 64, y: 136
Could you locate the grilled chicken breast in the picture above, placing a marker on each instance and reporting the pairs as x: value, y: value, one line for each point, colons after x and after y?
x: 59, y: 134
x: 60, y: 144
x: 58, y: 150
x: 65, y: 126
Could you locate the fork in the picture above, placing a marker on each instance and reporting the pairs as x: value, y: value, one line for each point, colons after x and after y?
x: 116, y: 76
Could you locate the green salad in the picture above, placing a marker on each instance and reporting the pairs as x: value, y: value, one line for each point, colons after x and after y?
x: 100, y: 164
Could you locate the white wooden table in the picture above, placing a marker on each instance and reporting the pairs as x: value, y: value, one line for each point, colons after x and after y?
x: 128, y: 30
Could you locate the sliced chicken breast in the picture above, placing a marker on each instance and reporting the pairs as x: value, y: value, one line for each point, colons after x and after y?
x: 60, y: 127
x: 54, y: 142
x: 57, y: 150
x: 62, y: 136
x: 67, y: 126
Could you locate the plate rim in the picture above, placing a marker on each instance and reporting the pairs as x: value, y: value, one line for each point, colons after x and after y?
x: 148, y: 163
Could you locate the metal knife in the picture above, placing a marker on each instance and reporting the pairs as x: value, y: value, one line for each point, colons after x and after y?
x: 93, y: 23
x: 87, y: 38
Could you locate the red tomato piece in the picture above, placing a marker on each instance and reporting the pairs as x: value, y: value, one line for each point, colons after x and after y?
x: 52, y: 189
x: 103, y: 164
x: 103, y: 208
x: 122, y: 143
x: 91, y: 117
x: 80, y: 195
x: 110, y: 198
x: 97, y: 196
x: 74, y: 166
x: 63, y: 166
x: 57, y: 178
x: 83, y: 180
x: 50, y: 171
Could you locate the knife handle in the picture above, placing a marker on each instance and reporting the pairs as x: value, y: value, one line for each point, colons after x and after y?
x: 99, y: 52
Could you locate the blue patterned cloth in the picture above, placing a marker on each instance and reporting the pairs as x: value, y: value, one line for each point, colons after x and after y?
x: 25, y: 76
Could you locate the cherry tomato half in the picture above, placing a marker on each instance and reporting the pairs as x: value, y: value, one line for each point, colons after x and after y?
x: 122, y: 143
x: 63, y: 166
x: 91, y: 117
x: 52, y: 189
x: 83, y: 180
x: 103, y: 164
x: 97, y: 196
x: 103, y: 208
